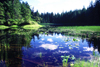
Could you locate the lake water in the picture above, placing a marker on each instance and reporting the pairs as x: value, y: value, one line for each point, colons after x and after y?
x: 31, y: 49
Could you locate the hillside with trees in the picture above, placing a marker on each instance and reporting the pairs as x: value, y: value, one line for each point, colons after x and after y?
x: 14, y: 12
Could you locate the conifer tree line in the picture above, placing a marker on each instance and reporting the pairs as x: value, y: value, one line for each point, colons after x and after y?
x: 89, y: 16
x: 13, y: 12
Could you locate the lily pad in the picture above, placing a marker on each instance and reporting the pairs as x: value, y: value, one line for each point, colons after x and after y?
x: 62, y: 56
x: 67, y: 56
x: 75, y: 39
x: 70, y: 45
x: 72, y: 57
x: 64, y: 60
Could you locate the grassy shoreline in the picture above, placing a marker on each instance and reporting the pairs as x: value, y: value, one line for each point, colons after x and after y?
x: 3, y: 27
x: 80, y: 28
x: 68, y: 30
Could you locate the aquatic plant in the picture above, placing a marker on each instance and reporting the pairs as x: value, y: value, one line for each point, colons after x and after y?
x: 71, y: 64
x: 7, y: 46
x: 83, y: 63
x: 69, y: 45
x: 40, y: 54
x: 75, y: 39
x: 76, y: 45
x: 65, y: 60
x: 73, y: 58
x: 66, y: 40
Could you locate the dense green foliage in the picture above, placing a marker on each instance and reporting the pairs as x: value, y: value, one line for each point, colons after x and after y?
x: 14, y: 12
x: 89, y: 16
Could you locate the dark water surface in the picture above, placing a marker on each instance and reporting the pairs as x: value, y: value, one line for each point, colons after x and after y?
x: 28, y: 48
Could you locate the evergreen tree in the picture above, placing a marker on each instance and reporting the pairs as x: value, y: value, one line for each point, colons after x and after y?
x: 2, y: 20
x: 7, y: 8
x: 25, y: 11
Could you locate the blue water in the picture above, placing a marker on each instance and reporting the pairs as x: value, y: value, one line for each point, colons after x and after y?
x: 48, y: 49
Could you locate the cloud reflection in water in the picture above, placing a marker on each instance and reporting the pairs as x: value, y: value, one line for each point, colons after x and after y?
x: 49, y: 46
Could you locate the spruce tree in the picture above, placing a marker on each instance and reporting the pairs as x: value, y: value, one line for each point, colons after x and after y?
x: 1, y: 14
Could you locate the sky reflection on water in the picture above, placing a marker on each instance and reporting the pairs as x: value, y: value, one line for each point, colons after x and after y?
x: 52, y: 47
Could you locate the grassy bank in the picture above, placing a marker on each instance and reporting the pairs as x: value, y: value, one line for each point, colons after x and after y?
x: 46, y: 24
x: 80, y: 28
x: 3, y: 27
x: 75, y: 29
x: 31, y: 25
x: 35, y: 26
x: 84, y: 31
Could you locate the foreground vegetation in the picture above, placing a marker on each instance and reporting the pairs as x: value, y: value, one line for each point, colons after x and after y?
x: 86, y: 64
x: 93, y: 62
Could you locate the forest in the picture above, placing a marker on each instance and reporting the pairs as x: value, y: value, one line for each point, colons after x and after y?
x: 14, y: 12
x: 89, y: 16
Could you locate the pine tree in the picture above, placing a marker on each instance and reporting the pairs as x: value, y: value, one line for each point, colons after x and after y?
x: 7, y: 8
x: 25, y: 12
x: 1, y: 14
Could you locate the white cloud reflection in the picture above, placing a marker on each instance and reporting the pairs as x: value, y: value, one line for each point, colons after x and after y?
x: 42, y: 39
x: 89, y: 49
x: 49, y: 46
x: 50, y: 40
x: 63, y: 51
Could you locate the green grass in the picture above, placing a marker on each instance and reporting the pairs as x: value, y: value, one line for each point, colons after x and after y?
x: 34, y: 26
x: 80, y: 28
x: 80, y: 63
x: 14, y: 26
x: 86, y: 64
x: 46, y: 24
x: 3, y: 27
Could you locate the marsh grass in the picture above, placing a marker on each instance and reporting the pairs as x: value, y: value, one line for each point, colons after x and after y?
x: 81, y: 31
x: 89, y: 63
x: 80, y: 63
x: 65, y: 60
x: 80, y: 28
x: 83, y: 63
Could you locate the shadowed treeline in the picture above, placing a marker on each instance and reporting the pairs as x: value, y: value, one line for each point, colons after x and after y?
x: 89, y: 16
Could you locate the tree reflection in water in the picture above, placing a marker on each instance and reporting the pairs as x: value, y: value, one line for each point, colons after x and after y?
x: 11, y: 42
x: 95, y: 42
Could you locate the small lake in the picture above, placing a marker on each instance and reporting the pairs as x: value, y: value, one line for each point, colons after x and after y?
x: 26, y: 48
